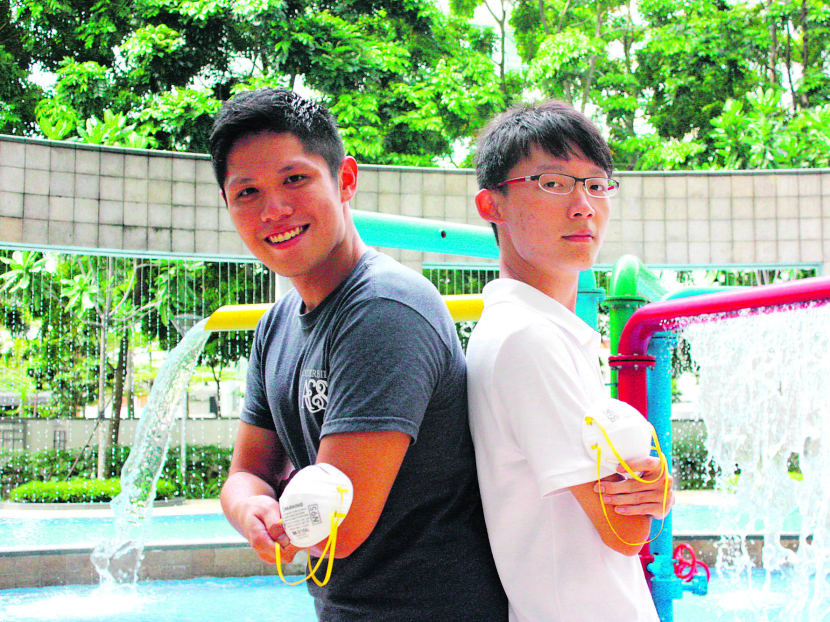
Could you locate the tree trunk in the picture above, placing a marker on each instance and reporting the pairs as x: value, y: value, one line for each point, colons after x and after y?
x: 805, y: 54
x: 100, y: 470
x: 592, y: 64
x: 789, y: 69
x: 217, y: 377
x: 773, y: 49
x: 543, y: 17
x: 130, y: 385
x: 118, y: 394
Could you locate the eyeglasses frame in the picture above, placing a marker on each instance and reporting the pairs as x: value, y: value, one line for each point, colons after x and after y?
x: 537, y: 177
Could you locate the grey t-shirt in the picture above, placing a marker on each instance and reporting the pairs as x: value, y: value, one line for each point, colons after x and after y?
x: 380, y: 353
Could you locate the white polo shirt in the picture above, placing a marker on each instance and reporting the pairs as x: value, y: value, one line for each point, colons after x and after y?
x: 532, y: 374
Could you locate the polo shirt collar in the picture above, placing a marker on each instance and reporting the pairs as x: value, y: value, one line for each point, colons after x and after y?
x: 511, y: 290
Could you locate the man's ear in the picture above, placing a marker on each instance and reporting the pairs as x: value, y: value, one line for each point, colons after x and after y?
x: 347, y: 178
x: 488, y: 206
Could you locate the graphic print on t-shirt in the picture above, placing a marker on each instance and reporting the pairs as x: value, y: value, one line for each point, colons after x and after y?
x: 315, y: 393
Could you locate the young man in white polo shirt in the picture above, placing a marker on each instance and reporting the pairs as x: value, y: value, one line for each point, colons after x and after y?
x: 533, y: 374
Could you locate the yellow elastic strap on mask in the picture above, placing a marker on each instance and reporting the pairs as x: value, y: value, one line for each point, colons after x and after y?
x: 331, y: 543
x: 663, y: 469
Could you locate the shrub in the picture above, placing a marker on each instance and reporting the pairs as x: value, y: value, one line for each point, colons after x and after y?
x: 691, y: 466
x: 206, y: 468
x: 79, y: 490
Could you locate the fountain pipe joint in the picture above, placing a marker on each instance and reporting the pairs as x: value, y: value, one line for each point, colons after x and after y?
x: 633, y: 381
x: 699, y: 585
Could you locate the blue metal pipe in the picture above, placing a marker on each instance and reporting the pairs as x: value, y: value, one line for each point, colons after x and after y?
x: 665, y: 586
x: 421, y: 234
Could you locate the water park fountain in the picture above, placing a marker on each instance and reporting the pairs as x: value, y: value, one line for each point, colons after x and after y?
x: 117, y: 559
x: 763, y: 355
x: 642, y: 335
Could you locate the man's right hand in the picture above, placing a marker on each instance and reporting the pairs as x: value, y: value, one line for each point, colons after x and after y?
x: 261, y: 524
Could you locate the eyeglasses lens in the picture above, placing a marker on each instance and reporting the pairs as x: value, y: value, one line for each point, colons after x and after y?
x: 599, y: 187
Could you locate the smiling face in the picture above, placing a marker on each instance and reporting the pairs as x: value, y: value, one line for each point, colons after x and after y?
x: 291, y: 213
x: 546, y: 239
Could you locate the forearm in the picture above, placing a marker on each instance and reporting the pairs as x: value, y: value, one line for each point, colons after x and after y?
x: 623, y: 533
x: 629, y: 533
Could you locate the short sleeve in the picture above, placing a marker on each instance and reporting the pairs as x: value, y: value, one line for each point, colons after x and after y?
x: 545, y: 395
x: 256, y: 411
x: 385, y: 362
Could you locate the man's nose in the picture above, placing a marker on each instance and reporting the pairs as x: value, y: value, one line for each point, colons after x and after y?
x: 580, y: 203
x: 275, y: 206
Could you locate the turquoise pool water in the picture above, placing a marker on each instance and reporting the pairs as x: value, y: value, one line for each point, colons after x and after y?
x: 88, y: 531
x: 687, y: 519
x: 256, y: 599
x: 250, y: 599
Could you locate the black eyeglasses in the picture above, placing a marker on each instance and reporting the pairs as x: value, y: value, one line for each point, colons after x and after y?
x: 559, y: 183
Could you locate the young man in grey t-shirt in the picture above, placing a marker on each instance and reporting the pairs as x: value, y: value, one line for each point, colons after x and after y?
x: 359, y: 368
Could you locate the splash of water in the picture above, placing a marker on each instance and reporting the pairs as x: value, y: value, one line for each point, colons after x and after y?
x: 765, y: 396
x: 118, y: 558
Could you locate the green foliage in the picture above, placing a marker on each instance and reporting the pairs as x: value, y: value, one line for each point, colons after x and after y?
x: 18, y: 96
x: 206, y: 470
x: 691, y: 466
x: 688, y: 83
x: 674, y: 83
x: 79, y: 490
x: 153, y: 73
x: 759, y: 134
x: 54, y: 305
x: 179, y: 119
x: 113, y: 129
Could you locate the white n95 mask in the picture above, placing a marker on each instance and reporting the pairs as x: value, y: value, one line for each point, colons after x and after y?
x: 618, y: 432
x: 315, y: 502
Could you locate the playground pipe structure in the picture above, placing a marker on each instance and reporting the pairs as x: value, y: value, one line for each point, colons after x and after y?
x: 462, y: 308
x: 630, y: 287
x: 643, y: 365
x: 635, y: 337
x: 422, y: 234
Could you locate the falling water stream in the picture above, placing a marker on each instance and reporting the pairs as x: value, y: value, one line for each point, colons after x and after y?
x: 118, y: 558
x: 765, y: 400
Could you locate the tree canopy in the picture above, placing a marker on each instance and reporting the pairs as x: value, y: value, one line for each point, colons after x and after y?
x: 405, y: 80
x: 674, y: 83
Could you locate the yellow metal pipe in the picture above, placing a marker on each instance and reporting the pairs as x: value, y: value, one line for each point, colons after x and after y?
x: 237, y: 317
x: 463, y: 308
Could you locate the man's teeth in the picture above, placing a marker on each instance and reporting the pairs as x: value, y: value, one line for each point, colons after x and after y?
x: 285, y: 235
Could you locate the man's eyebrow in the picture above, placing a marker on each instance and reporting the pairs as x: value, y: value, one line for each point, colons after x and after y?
x: 246, y: 180
x: 559, y: 167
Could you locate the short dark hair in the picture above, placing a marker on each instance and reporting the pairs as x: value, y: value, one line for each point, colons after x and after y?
x: 278, y: 111
x: 553, y: 126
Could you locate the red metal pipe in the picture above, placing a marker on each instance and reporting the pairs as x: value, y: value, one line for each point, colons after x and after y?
x: 631, y: 379
x: 658, y: 316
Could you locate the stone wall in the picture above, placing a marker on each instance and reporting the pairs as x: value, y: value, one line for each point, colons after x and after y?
x: 82, y: 196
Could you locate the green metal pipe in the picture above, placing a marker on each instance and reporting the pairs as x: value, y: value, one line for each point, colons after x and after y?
x: 631, y: 286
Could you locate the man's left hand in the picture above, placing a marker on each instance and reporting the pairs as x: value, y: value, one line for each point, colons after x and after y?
x: 629, y: 496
